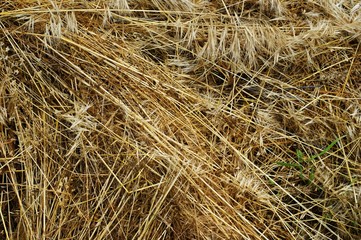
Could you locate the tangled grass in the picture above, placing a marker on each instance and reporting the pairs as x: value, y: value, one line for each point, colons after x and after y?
x: 187, y: 119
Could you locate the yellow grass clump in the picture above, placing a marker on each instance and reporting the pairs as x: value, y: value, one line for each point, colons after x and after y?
x: 180, y: 119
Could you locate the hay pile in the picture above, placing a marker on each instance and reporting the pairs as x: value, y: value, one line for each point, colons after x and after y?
x: 186, y: 119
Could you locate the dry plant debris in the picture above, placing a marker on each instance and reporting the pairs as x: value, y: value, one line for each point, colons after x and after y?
x: 182, y: 119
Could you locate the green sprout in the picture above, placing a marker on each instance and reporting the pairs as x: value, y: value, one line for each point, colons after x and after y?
x: 302, y: 162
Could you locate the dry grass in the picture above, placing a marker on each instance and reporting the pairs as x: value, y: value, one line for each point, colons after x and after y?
x: 180, y: 119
